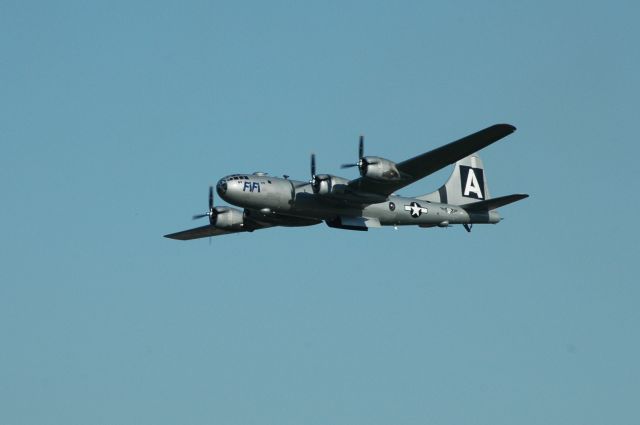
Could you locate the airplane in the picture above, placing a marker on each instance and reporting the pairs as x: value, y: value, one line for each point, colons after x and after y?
x: 368, y: 201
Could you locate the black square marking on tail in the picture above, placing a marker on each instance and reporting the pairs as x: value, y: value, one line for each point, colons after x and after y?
x: 472, y: 182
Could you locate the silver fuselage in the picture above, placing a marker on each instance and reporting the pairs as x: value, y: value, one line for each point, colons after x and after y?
x: 279, y: 196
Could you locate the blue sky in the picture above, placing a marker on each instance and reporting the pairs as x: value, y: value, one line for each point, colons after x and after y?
x: 115, y: 117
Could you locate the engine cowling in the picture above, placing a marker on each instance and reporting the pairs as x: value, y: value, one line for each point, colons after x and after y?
x: 325, y: 184
x: 377, y: 168
x: 227, y: 218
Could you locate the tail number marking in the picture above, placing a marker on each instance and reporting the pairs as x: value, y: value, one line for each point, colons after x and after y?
x: 472, y: 180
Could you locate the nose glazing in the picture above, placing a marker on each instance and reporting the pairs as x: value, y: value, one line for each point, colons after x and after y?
x: 221, y: 187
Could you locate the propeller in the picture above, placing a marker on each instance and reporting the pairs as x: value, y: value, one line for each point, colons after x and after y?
x: 316, y: 179
x: 363, y: 162
x: 360, y: 155
x: 212, y: 213
x: 313, y: 172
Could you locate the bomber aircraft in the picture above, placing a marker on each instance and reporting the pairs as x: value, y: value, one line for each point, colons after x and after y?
x: 367, y: 201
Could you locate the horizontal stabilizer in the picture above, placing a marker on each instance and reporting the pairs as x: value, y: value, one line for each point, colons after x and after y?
x: 492, y: 204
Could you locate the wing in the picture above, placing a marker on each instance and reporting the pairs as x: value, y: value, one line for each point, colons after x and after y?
x: 200, y: 232
x: 421, y: 166
x: 254, y: 220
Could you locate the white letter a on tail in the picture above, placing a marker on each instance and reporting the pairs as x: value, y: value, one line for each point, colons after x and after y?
x: 472, y: 185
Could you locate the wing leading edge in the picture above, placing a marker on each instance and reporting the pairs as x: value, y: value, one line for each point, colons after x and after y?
x: 428, y: 163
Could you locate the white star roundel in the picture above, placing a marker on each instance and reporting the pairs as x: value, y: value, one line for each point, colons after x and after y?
x: 415, y: 209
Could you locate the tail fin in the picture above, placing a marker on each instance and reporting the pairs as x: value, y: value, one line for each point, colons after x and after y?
x: 467, y: 184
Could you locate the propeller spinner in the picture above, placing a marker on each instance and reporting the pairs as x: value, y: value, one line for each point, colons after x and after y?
x: 316, y: 179
x: 212, y: 213
x: 363, y: 162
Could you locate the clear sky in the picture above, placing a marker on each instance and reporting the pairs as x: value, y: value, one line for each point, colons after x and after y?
x: 116, y: 116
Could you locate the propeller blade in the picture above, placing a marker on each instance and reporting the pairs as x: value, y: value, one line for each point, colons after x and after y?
x: 212, y: 212
x: 348, y: 165
x: 313, y: 164
x: 360, y: 155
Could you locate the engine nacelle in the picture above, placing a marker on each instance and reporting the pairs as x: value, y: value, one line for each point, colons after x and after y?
x: 325, y: 184
x: 377, y: 168
x: 229, y: 218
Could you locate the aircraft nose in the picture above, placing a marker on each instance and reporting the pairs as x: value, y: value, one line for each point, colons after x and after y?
x: 221, y: 187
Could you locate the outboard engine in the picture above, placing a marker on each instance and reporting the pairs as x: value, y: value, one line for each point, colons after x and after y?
x: 374, y: 167
x: 226, y: 218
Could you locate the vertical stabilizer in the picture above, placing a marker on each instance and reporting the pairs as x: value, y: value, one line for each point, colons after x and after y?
x: 467, y: 184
